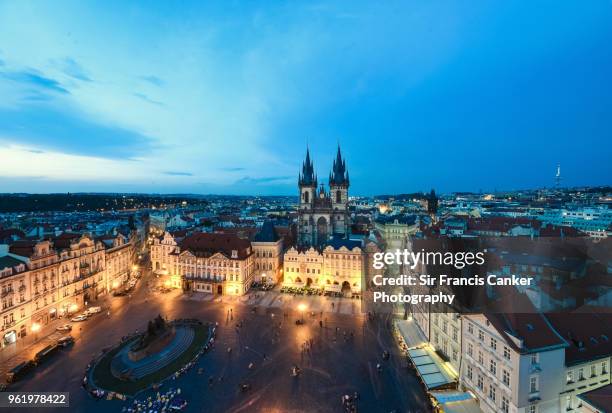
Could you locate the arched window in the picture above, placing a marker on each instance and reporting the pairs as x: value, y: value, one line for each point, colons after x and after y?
x: 306, y: 196
x: 338, y: 196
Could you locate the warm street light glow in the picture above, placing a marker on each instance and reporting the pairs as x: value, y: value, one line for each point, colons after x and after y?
x: 35, y: 327
x: 302, y: 307
x: 73, y: 308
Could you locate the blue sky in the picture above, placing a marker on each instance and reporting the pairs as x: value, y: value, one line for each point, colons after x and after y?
x: 223, y: 97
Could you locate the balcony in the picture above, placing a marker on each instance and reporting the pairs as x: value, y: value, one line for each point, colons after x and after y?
x: 535, y: 368
x: 6, y: 293
x: 22, y: 288
x: 534, y: 396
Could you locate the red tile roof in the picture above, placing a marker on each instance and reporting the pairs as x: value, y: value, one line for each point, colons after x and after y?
x: 205, y: 244
x: 588, y: 332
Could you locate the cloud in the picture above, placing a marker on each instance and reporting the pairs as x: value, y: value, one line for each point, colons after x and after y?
x: 73, y: 69
x: 148, y: 99
x: 263, y: 180
x: 33, y: 78
x: 175, y: 173
x: 69, y: 132
x: 154, y: 80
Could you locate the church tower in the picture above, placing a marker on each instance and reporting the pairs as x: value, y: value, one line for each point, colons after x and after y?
x: 307, y: 183
x: 338, y: 187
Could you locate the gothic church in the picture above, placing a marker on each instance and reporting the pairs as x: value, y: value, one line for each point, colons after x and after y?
x: 322, y: 214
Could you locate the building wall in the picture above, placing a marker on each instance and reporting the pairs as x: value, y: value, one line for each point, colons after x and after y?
x: 232, y: 275
x: 446, y: 336
x: 53, y: 284
x: 490, y: 362
x: 268, y: 261
x: 331, y: 269
x: 583, y: 377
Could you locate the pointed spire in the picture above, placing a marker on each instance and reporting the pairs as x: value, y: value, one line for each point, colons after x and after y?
x: 307, y: 177
x: 338, y: 175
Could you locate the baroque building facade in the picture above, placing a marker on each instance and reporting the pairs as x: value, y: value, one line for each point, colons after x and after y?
x: 44, y: 280
x: 216, y: 263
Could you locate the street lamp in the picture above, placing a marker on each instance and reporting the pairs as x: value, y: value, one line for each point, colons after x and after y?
x: 302, y: 307
x: 35, y: 330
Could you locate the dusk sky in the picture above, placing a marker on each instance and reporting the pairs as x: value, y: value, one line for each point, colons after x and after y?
x: 223, y: 97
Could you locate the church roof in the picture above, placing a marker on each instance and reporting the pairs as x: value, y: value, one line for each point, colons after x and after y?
x: 308, y: 176
x: 339, y: 174
x: 267, y: 233
x: 337, y: 243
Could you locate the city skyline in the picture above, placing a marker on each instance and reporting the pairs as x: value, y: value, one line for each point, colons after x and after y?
x: 218, y: 100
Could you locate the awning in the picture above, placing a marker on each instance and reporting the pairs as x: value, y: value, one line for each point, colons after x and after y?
x: 430, y: 368
x: 455, y: 402
x: 410, y: 333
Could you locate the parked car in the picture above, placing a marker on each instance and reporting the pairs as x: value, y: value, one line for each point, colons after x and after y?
x: 94, y: 310
x: 80, y: 317
x: 19, y: 371
x: 64, y: 327
x: 65, y: 341
x: 45, y: 353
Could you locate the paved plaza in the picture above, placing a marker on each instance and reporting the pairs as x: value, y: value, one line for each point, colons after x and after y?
x: 336, y: 348
x: 285, y: 302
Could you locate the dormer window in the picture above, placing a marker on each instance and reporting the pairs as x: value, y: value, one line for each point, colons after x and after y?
x: 234, y: 253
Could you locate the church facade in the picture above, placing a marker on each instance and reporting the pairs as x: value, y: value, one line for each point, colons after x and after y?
x: 325, y: 257
x: 323, y: 214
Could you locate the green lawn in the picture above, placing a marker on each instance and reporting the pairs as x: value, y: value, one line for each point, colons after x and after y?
x: 104, y: 379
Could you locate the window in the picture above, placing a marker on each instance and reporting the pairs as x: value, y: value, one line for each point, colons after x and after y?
x: 534, y: 359
x: 506, y: 377
x: 471, y: 328
x: 480, y: 358
x: 505, y: 405
x: 570, y: 377
x: 533, y: 384
x: 492, y: 393
x: 593, y: 370
x: 568, y: 402
x: 480, y: 382
x: 581, y: 374
x: 604, y: 368
x: 469, y: 372
x: 470, y: 349
x: 533, y: 408
x: 494, y: 344
x: 493, y: 367
x: 480, y: 335
x: 506, y: 353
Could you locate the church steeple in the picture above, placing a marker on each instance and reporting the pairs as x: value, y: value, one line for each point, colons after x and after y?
x: 339, y: 174
x: 307, y: 176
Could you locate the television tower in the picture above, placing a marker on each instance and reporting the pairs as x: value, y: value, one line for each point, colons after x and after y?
x: 558, y: 176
